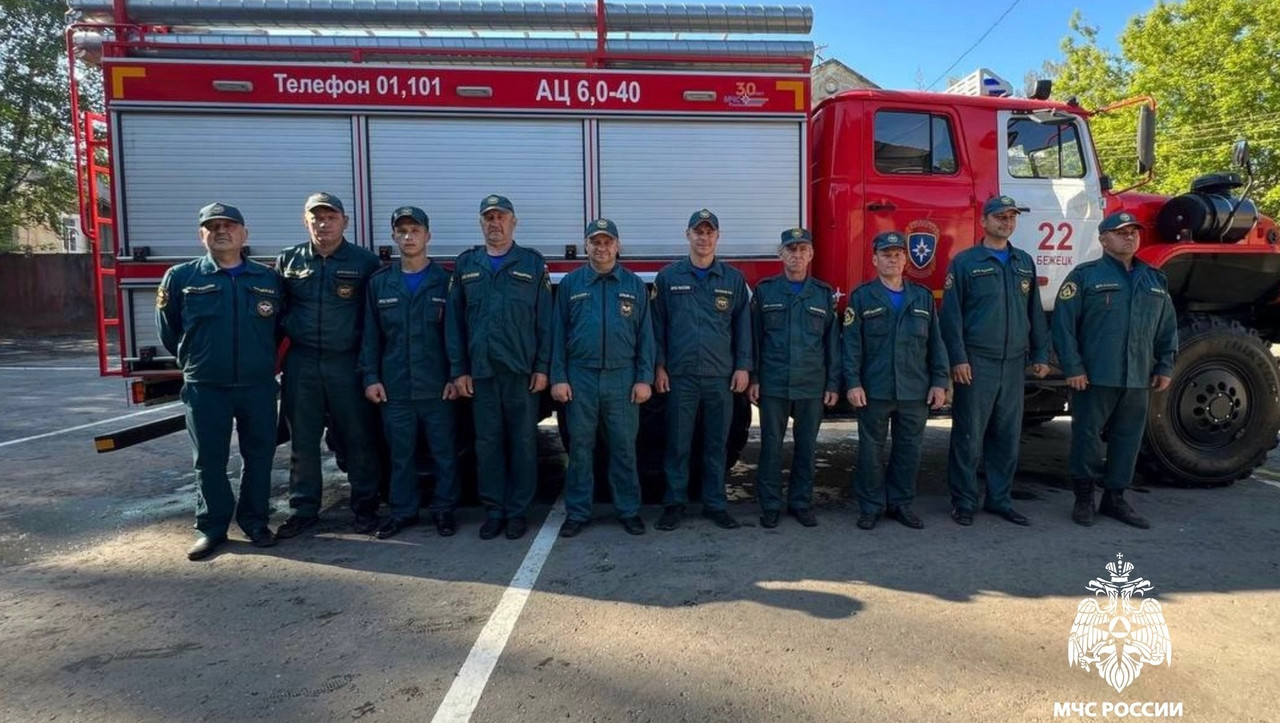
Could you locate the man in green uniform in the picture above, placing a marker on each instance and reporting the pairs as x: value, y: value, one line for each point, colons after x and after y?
x: 499, y: 342
x: 797, y: 372
x: 702, y: 325
x: 1116, y: 334
x: 601, y: 370
x: 895, y: 370
x: 324, y: 281
x: 219, y: 315
x: 405, y: 370
x: 993, y: 324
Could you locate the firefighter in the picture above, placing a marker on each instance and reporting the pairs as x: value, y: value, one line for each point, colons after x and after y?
x: 993, y: 324
x: 1128, y: 350
x: 219, y: 315
x: 404, y: 370
x: 499, y: 341
x: 702, y: 325
x: 602, y: 371
x: 895, y: 370
x: 797, y: 372
x: 324, y: 280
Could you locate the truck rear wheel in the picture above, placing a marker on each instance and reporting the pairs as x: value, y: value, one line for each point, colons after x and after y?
x: 1219, y: 418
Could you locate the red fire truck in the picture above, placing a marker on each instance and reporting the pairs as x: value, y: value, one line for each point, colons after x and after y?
x: 642, y: 113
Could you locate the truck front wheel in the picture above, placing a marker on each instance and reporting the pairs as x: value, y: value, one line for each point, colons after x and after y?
x: 1219, y: 417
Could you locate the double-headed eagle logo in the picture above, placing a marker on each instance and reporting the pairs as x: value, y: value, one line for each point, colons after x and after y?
x: 1115, y: 634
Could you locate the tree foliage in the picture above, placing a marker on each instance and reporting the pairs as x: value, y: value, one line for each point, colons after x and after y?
x: 1210, y: 65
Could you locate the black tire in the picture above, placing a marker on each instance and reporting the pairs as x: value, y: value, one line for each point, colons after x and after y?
x: 1218, y: 420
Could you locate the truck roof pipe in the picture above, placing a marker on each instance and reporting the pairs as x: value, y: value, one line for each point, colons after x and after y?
x: 466, y: 15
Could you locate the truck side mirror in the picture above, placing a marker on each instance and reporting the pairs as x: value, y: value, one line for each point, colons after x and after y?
x: 1146, y: 139
x: 1240, y: 155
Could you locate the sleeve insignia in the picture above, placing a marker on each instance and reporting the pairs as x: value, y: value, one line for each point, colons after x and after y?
x: 162, y: 297
x: 1068, y: 291
x: 849, y: 316
x: 950, y: 281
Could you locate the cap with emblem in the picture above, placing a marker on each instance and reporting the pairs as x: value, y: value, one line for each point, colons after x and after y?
x: 327, y: 200
x: 495, y: 201
x: 602, y: 226
x: 889, y: 240
x: 1118, y: 221
x: 796, y: 235
x: 411, y: 212
x: 997, y: 204
x: 216, y: 211
x: 704, y: 216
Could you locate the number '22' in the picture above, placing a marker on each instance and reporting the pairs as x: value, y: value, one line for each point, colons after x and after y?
x: 1049, y: 230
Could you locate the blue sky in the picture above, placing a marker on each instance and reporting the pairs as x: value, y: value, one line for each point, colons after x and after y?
x: 894, y: 41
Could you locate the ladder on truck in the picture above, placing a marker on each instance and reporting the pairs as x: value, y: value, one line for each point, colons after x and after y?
x: 96, y: 223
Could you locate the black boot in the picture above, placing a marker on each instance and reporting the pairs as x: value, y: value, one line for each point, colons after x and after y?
x: 1114, y: 505
x: 1082, y: 513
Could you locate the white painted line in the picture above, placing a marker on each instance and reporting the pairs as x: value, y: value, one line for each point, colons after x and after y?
x: 463, y: 696
x: 48, y: 369
x: 86, y: 426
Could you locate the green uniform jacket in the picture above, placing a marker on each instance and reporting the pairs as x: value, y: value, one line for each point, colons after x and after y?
x: 992, y: 309
x: 223, y: 330
x: 403, y: 343
x: 797, y: 339
x: 602, y: 322
x: 326, y: 295
x: 703, y: 327
x: 893, y: 356
x: 499, y: 322
x: 1118, y: 328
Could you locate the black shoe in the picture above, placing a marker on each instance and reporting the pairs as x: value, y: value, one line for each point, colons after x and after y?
x: 670, y: 519
x: 963, y: 517
x: 1114, y: 505
x: 262, y: 537
x: 906, y: 516
x: 769, y: 519
x: 1082, y: 512
x: 516, y: 527
x: 492, y: 527
x: 1009, y: 514
x: 365, y: 524
x: 204, y: 546
x: 573, y: 528
x: 723, y: 519
x: 295, y: 526
x: 394, y: 526
x: 867, y: 521
x: 803, y: 515
x: 633, y: 525
x: 446, y: 525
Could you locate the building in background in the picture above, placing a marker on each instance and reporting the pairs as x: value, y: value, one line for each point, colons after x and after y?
x: 39, y: 239
x: 831, y: 77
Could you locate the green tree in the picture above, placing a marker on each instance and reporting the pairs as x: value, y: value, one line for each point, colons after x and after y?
x: 37, y: 180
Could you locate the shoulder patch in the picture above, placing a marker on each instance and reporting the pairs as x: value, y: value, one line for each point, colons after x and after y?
x: 162, y: 297
x: 850, y: 316
x: 950, y: 281
x: 1068, y: 291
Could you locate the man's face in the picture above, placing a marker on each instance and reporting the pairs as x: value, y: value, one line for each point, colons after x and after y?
x: 703, y: 239
x: 890, y: 262
x: 498, y: 226
x: 602, y: 249
x: 796, y: 258
x: 223, y: 236
x: 326, y: 225
x: 1122, y: 242
x: 1000, y: 225
x: 411, y: 237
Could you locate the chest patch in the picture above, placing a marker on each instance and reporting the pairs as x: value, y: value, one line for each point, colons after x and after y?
x: 627, y: 307
x: 471, y: 276
x: 346, y: 291
x: 874, y: 312
x: 722, y: 302
x: 983, y: 271
x: 266, y: 307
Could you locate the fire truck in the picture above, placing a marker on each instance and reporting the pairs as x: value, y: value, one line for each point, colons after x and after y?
x: 642, y: 113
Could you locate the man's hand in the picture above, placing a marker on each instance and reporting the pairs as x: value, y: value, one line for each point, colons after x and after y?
x: 937, y: 397
x: 562, y: 392
x: 962, y: 374
x: 537, y: 382
x: 640, y: 393
x: 376, y: 393
x: 753, y: 393
x: 1080, y: 382
x: 829, y: 399
x: 857, y: 397
x: 1040, y: 370
x: 1160, y: 382
x: 466, y: 389
x: 450, y: 392
x: 661, y: 382
x: 741, y: 379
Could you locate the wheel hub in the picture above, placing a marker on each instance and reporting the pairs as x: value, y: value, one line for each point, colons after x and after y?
x: 1213, y: 405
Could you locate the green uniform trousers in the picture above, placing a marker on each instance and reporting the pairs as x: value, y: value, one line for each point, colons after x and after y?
x: 712, y: 396
x: 404, y: 423
x: 774, y: 413
x: 506, y: 417
x: 1121, y: 413
x: 602, y: 401
x: 211, y: 409
x: 986, y: 424
x: 873, y: 486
